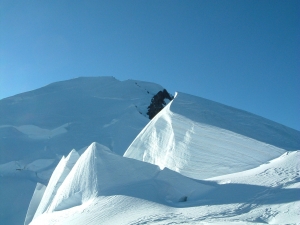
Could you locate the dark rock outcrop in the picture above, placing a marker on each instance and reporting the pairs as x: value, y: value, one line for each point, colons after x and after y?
x: 158, y: 103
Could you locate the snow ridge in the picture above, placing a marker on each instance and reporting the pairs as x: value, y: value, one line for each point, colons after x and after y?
x: 100, y: 172
x: 46, y: 123
x: 59, y: 174
x: 147, y: 195
x: 34, y: 203
x: 190, y: 138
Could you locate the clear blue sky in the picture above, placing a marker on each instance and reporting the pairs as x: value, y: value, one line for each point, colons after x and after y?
x: 245, y: 54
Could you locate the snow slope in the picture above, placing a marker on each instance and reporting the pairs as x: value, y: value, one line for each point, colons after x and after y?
x: 35, y: 202
x: 201, y: 139
x: 272, y: 189
x: 193, y: 136
x: 116, y: 190
x: 99, y: 173
x: 59, y: 174
x: 71, y: 114
x: 38, y: 127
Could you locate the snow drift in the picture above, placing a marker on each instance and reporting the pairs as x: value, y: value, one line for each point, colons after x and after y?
x: 200, y: 139
x: 100, y: 172
x: 38, y: 127
x: 195, y: 137
x: 126, y: 191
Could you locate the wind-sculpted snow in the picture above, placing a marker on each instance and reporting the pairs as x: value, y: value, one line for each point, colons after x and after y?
x: 100, y: 172
x: 201, y: 139
x: 238, y: 121
x: 60, y: 173
x: 268, y: 194
x: 46, y: 123
x: 34, y: 203
x: 193, y: 136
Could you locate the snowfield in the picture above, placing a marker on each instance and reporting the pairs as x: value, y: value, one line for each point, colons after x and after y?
x: 36, y: 132
x: 84, y: 151
x: 104, y: 188
x: 201, y: 139
x: 38, y: 127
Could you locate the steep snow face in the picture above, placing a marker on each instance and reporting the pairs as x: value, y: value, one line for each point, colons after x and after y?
x: 38, y: 127
x: 200, y: 139
x: 100, y: 172
x: 59, y: 174
x: 268, y: 194
x: 34, y: 203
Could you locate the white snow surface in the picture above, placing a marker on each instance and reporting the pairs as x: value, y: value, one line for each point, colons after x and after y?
x: 100, y: 173
x: 36, y: 132
x: 116, y: 190
x: 72, y: 114
x: 201, y: 139
x: 196, y: 137
x: 60, y: 173
x: 35, y: 202
x: 38, y: 127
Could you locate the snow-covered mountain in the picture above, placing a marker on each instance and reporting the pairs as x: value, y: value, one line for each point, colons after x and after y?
x: 249, y: 163
x: 100, y: 174
x: 73, y: 114
x: 38, y: 127
x: 104, y: 188
x: 200, y: 139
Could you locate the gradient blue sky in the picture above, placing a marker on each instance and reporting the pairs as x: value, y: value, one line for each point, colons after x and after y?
x: 245, y: 54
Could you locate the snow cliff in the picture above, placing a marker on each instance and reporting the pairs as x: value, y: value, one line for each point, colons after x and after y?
x: 126, y: 191
x: 38, y: 127
x: 100, y: 172
x: 200, y: 139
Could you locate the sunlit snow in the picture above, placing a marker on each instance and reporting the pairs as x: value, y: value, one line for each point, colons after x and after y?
x: 116, y: 190
x: 195, y: 162
x: 201, y: 139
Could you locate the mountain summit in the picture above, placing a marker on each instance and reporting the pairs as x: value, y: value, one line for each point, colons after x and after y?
x: 72, y: 114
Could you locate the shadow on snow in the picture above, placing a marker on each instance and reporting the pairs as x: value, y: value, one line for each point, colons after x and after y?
x: 220, y: 194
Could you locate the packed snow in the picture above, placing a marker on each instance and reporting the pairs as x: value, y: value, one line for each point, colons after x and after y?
x: 36, y: 132
x: 71, y: 114
x: 104, y: 188
x: 99, y: 173
x: 35, y: 202
x: 42, y: 125
x: 200, y: 139
x: 59, y: 174
x: 195, y: 162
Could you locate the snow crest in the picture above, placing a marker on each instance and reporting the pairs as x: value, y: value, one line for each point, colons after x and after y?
x: 194, y: 137
x: 100, y: 172
x: 59, y: 174
x: 268, y: 194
